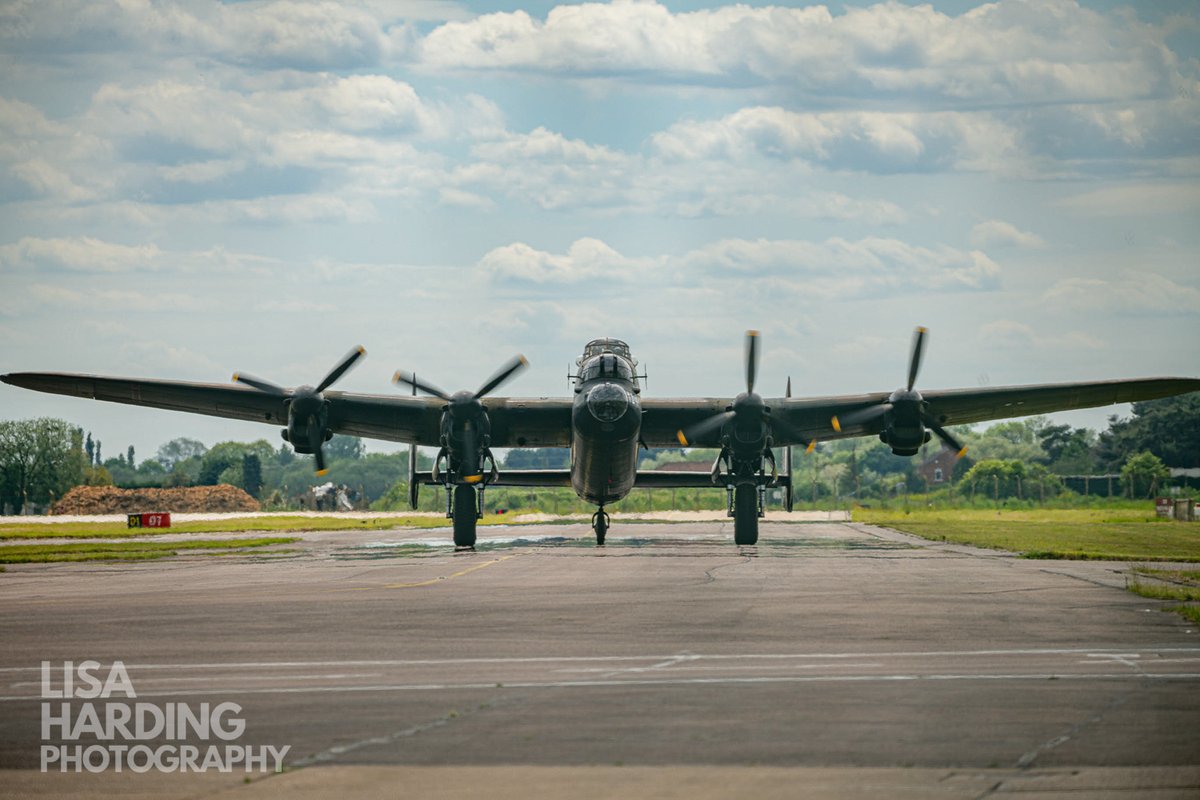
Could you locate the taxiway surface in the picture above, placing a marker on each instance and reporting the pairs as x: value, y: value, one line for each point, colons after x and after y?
x: 827, y: 646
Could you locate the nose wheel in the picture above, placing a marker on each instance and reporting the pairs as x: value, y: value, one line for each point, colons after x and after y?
x: 465, y: 515
x: 600, y: 524
x: 745, y: 514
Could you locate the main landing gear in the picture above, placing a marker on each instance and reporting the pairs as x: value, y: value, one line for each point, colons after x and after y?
x: 745, y: 506
x: 600, y: 522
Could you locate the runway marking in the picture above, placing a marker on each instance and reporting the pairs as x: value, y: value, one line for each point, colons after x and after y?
x: 648, y: 657
x: 899, y: 678
x: 696, y: 668
x: 440, y: 578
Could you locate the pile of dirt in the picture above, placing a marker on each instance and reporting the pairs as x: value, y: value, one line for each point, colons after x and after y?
x: 181, y: 500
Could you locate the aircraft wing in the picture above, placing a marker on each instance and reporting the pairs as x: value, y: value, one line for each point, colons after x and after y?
x: 965, y: 406
x: 797, y: 421
x: 398, y: 418
x: 546, y: 422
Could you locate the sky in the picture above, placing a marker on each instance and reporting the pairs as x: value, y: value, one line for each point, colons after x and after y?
x: 191, y: 189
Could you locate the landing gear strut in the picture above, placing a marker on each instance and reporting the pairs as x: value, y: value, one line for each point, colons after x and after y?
x: 600, y: 524
x: 465, y: 515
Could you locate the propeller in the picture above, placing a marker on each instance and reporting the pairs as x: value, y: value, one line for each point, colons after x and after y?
x: 907, y: 399
x: 500, y: 377
x: 747, y: 411
x: 307, y: 409
x: 465, y: 428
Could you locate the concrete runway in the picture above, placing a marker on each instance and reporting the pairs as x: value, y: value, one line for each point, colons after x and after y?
x: 836, y: 658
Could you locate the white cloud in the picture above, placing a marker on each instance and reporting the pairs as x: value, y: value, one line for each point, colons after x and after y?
x: 867, y: 266
x: 1137, y: 293
x: 118, y: 300
x: 835, y: 267
x: 1011, y: 334
x: 871, y: 141
x: 281, y: 34
x: 1009, y: 51
x: 79, y: 254
x: 1138, y: 199
x: 998, y: 233
x: 585, y: 259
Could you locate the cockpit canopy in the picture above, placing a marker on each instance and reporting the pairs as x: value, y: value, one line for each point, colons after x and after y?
x: 597, y: 346
x: 607, y: 366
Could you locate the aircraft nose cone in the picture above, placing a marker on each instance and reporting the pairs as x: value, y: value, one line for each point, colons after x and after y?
x: 607, y: 402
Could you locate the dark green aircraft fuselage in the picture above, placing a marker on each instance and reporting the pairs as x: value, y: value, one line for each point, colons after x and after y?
x: 606, y: 422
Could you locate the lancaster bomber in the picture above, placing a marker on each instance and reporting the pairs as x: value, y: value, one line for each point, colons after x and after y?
x: 603, y: 424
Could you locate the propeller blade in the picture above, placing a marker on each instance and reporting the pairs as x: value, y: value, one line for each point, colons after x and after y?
x: 859, y: 417
x: 340, y: 370
x: 945, y: 436
x: 260, y: 384
x: 751, y: 359
x: 505, y: 373
x: 703, y: 428
x: 408, y: 379
x: 316, y: 438
x: 918, y: 350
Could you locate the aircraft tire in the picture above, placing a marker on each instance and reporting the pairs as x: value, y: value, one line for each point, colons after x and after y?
x: 464, y: 515
x: 600, y: 526
x: 745, y: 514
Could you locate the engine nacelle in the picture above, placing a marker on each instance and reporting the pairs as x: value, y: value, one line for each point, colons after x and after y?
x: 905, y: 442
x: 903, y: 428
x: 307, y: 424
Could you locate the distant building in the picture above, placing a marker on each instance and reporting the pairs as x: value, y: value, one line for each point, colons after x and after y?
x: 938, y: 468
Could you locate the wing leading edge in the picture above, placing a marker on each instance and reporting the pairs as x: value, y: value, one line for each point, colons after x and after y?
x: 532, y: 423
x: 806, y: 420
x: 546, y: 422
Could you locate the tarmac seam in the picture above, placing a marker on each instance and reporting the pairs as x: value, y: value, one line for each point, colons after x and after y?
x: 337, y: 751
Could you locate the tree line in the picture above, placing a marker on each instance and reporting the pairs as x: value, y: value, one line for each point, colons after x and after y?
x: 41, y: 459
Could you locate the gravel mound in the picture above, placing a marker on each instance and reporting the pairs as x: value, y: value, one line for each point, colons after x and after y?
x: 189, y: 499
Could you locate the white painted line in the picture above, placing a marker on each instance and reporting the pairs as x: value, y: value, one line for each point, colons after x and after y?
x: 1099, y: 651
x: 428, y: 687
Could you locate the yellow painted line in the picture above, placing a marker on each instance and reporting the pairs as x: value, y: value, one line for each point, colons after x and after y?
x: 440, y: 578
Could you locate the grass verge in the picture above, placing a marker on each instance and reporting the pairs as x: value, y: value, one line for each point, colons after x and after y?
x: 1182, y: 585
x: 118, y: 530
x: 1105, y: 534
x: 128, y: 551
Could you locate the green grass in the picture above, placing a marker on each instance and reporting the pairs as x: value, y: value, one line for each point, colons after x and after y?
x: 126, y: 551
x: 1191, y: 613
x: 1158, y: 591
x: 1181, y: 585
x: 1103, y: 533
x: 119, y: 530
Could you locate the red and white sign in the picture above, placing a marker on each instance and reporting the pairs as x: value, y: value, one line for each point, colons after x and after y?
x: 153, y: 520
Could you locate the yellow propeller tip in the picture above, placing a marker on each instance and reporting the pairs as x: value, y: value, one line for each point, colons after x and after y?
x: 396, y: 376
x: 962, y: 452
x: 922, y: 329
x: 524, y: 361
x: 362, y: 351
x: 235, y: 377
x: 811, y: 446
x: 752, y: 333
x: 837, y: 426
x: 682, y: 439
x: 321, y: 472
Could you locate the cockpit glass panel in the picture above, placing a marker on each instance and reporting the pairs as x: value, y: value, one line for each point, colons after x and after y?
x: 608, y: 366
x: 599, y: 346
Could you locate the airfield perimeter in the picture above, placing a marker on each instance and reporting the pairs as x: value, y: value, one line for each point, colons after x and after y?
x: 832, y: 660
